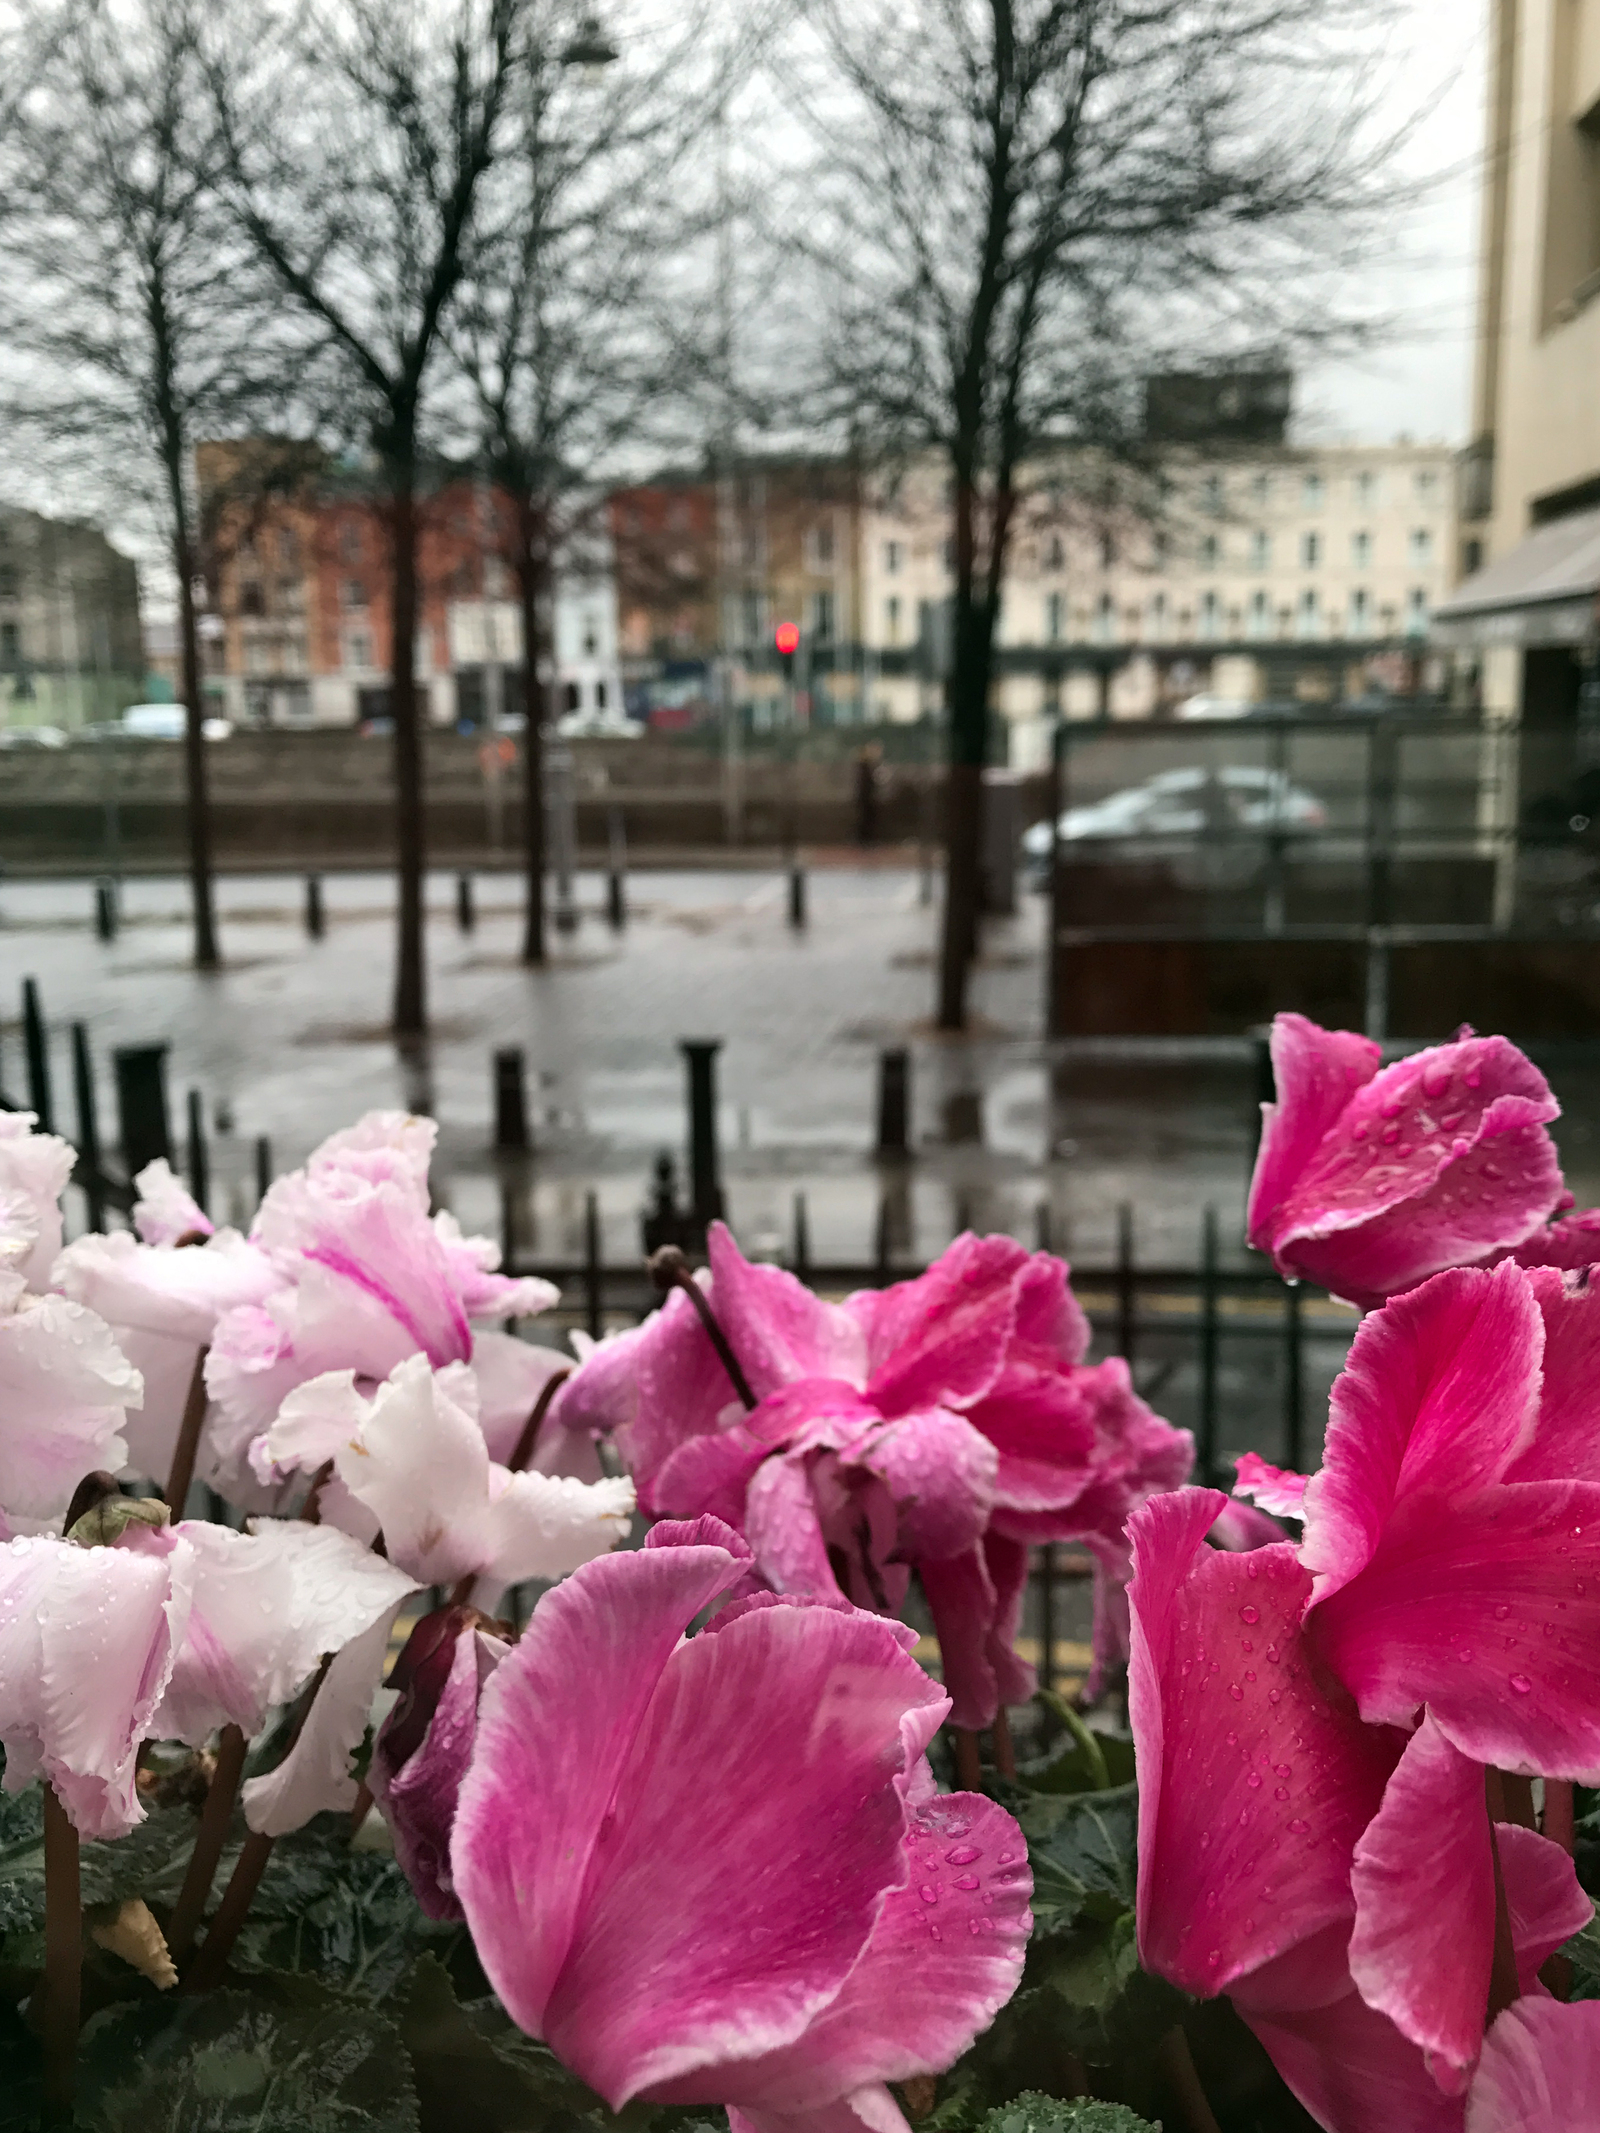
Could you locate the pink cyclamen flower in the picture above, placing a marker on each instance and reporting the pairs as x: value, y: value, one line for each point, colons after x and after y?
x: 1335, y: 1878
x: 365, y: 1277
x: 66, y: 1389
x: 423, y: 1749
x: 412, y: 1462
x: 638, y: 1840
x: 34, y: 1170
x: 1368, y: 1181
x: 944, y: 1423
x: 1540, y: 2069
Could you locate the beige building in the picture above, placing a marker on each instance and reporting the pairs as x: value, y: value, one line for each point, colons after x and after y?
x: 1274, y: 572
x: 1530, y: 551
x: 70, y: 649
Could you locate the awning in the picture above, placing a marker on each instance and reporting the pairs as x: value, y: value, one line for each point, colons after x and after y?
x: 1542, y: 592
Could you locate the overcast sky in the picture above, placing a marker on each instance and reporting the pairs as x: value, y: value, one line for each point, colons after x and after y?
x: 1419, y: 383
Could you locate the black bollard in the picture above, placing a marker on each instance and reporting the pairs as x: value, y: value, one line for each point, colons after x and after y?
x: 593, y: 1271
x: 802, y: 1237
x: 197, y: 1165
x: 88, y: 1126
x: 894, y: 1101
x: 510, y: 1099
x: 705, y: 1190
x: 141, y: 1073
x: 1206, y: 1448
x: 37, y: 1045
x: 466, y: 917
x: 263, y: 1166
x: 797, y: 896
x: 105, y: 908
x: 1126, y: 1326
x: 314, y: 921
x: 617, y: 875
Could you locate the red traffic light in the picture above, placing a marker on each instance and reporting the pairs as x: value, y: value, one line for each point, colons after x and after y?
x: 787, y: 638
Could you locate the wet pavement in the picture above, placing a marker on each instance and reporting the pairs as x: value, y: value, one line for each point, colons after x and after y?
x: 289, y: 1041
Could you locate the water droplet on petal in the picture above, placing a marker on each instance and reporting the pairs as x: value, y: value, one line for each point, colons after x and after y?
x: 1236, y: 1692
x: 1274, y: 1696
x: 963, y: 1855
x: 1280, y: 1792
x: 930, y: 1892
x: 1254, y: 1781
x: 1521, y: 1684
x: 967, y: 1881
x: 1297, y: 1828
x: 1501, y: 1612
x: 1250, y: 1614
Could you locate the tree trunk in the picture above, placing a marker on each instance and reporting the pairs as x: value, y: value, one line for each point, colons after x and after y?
x: 197, y: 803
x: 972, y: 660
x: 532, y: 568
x: 411, y: 974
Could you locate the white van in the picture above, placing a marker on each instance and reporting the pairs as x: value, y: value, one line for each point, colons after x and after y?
x: 166, y: 722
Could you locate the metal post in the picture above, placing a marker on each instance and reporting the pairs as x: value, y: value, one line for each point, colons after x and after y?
x: 563, y: 838
x: 1047, y: 1616
x: 1380, y: 874
x: 1055, y: 917
x: 263, y: 1166
x: 314, y: 920
x: 1042, y: 1227
x: 105, y: 909
x: 802, y: 1237
x: 198, y: 1168
x: 617, y: 873
x: 1293, y: 1431
x: 1207, y: 1460
x: 141, y: 1072
x: 510, y: 1099
x: 705, y: 1189
x: 881, y: 1255
x: 592, y: 1272
x: 1275, y: 910
x: 37, y: 1044
x: 1125, y: 1310
x: 894, y: 1101
x: 88, y: 1125
x: 797, y: 895
x: 466, y: 917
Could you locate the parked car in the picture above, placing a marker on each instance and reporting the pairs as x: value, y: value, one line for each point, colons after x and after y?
x: 1205, y: 706
x: 157, y: 722
x: 1191, y: 804
x: 32, y: 737
x: 598, y: 726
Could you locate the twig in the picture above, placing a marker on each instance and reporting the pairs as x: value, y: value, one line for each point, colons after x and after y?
x: 530, y: 1429
x: 1177, y: 2064
x: 670, y: 1270
x: 188, y: 1444
x: 212, y: 1835
x: 58, y: 2002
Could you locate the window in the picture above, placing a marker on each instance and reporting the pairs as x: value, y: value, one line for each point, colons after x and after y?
x: 891, y: 616
x: 10, y: 644
x: 1055, y: 556
x: 1471, y: 557
x: 591, y: 637
x: 892, y: 556
x: 1158, y: 615
x: 358, y: 650
x: 750, y: 612
x: 496, y: 578
x: 1426, y: 484
x: 1417, y: 612
x: 1261, y: 551
x: 350, y: 542
x: 1108, y: 550
x: 600, y: 697
x: 1105, y: 620
x: 1361, y: 550
x: 353, y: 593
x: 1160, y: 548
x: 1310, y: 614
x: 251, y: 600
x: 8, y: 581
x: 1210, y: 550
x: 1261, y: 488
x: 288, y: 548
x: 950, y: 555
x: 1366, y: 487
x: 574, y: 697
x: 1312, y: 492
x: 1052, y: 618
x: 1311, y: 550
x: 1210, y: 615
x: 1211, y: 495
x: 1361, y: 614
x: 1420, y: 545
x: 1260, y: 615
x: 822, y: 545
x: 822, y: 617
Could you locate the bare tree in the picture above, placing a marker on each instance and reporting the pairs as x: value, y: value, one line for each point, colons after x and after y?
x: 577, y: 338
x: 128, y: 318
x: 1026, y: 203
x: 357, y: 142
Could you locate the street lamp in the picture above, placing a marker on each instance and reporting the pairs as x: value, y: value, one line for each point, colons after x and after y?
x: 591, y: 49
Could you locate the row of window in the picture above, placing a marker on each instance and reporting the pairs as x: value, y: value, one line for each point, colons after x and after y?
x: 1259, y: 618
x: 1365, y: 489
x: 1210, y: 552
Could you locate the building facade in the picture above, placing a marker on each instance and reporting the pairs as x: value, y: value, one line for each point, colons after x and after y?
x: 71, y: 653
x: 298, y: 629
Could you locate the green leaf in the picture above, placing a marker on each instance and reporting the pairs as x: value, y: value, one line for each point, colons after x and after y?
x: 1086, y: 1761
x: 273, y: 2061
x: 149, y: 1862
x: 1032, y: 2113
x: 1081, y: 1849
x: 1583, y: 1952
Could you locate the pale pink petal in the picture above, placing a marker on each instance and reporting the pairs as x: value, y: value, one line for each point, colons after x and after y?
x: 545, y: 1525
x: 1487, y: 1609
x: 486, y: 1293
x: 943, y: 1958
x: 1423, y: 1882
x: 939, y: 1341
x: 315, y: 1776
x: 1316, y: 1072
x: 860, y: 1530
x: 1540, y: 2070
x: 397, y: 1145
x: 250, y: 1371
x: 602, y: 1394
x: 777, y: 1327
x: 316, y: 1422
x: 869, y: 2110
x: 798, y: 1710
x: 34, y: 1170
x: 512, y: 1374
x: 1566, y: 1443
x: 1255, y: 1780
x: 417, y: 1793
x: 783, y: 1527
x: 1274, y: 1488
x: 1439, y: 1394
x: 64, y: 1387
x: 557, y: 1726
x: 165, y: 1209
x: 940, y: 1473
x: 1441, y: 1160
x: 267, y: 1606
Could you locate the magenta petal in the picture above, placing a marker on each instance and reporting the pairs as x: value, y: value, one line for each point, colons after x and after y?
x: 1255, y: 1779
x: 777, y: 1327
x: 418, y: 1795
x: 703, y: 1532
x: 1423, y: 1881
x: 1439, y: 1394
x: 1274, y: 1488
x: 1573, y: 1242
x: 1049, y: 1316
x: 938, y: 1341
x: 771, y: 1744
x: 783, y: 1527
x: 1240, y: 1527
x: 1316, y: 1071
x: 962, y: 1600
x: 869, y: 2110
x: 709, y: 1473
x: 1487, y: 1609
x: 1543, y: 1895
x: 1540, y: 2070
x: 539, y: 1790
x: 1566, y: 1444
x: 940, y: 1472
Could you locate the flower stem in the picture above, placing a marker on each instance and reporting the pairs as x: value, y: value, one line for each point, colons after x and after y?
x: 1005, y: 1755
x: 59, y: 2000
x: 212, y: 1835
x: 212, y: 1961
x: 188, y: 1444
x: 670, y: 1270
x: 530, y: 1429
x: 969, y: 1765
x: 1177, y: 2064
x: 1558, y: 1813
x: 1503, y: 1985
